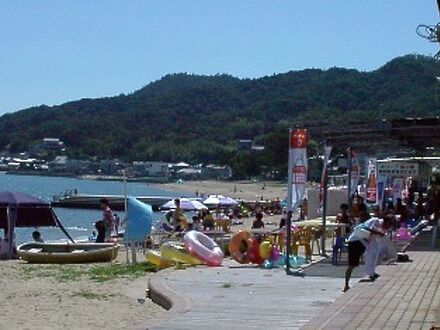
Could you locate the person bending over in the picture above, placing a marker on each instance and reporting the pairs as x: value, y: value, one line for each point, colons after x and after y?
x: 365, y: 237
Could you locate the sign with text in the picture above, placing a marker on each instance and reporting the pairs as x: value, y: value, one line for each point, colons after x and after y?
x: 398, y: 168
x: 297, y: 167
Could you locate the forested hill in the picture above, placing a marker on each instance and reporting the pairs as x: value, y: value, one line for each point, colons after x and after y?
x: 199, y: 118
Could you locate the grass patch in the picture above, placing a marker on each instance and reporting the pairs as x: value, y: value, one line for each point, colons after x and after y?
x: 106, y: 273
x: 62, y: 273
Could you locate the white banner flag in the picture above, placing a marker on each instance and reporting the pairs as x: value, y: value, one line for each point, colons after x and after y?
x: 297, y: 167
x: 355, y: 174
x: 323, y: 185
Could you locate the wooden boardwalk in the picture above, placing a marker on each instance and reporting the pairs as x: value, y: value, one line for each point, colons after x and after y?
x: 246, y: 298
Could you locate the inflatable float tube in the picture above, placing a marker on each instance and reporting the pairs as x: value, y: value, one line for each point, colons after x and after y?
x: 253, y: 251
x: 238, y: 246
x: 204, y: 248
x: 155, y: 258
x: 177, y: 253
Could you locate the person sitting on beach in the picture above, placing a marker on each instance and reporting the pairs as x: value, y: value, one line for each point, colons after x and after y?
x: 401, y: 210
x: 343, y: 218
x: 258, y: 222
x: 177, y: 214
x: 208, y: 221
x: 283, y: 219
x: 107, y: 218
x: 36, y: 235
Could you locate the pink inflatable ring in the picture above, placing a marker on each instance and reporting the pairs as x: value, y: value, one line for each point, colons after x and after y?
x: 203, y: 248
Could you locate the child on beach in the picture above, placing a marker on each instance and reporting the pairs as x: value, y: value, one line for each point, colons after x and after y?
x: 258, y: 222
x: 365, y: 237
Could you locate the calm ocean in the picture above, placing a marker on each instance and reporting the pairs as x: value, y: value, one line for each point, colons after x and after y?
x: 79, y: 223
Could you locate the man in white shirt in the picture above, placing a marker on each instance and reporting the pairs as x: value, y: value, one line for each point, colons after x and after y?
x: 365, y: 237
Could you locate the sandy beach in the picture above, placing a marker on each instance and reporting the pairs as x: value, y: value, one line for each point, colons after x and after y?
x: 246, y: 190
x: 67, y: 297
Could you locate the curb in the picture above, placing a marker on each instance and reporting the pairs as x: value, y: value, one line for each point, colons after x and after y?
x: 161, y: 294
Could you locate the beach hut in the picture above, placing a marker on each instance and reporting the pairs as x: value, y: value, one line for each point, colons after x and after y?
x: 22, y: 210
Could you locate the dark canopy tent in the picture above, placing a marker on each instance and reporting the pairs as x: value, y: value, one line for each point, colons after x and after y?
x: 31, y: 211
x: 21, y: 210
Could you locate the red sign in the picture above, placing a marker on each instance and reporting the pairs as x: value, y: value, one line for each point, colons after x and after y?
x: 298, y: 138
x: 299, y: 174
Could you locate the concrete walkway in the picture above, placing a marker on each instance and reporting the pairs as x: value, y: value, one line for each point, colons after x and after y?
x: 406, y: 296
x: 236, y: 297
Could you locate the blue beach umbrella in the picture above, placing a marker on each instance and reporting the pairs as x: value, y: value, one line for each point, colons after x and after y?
x: 139, y: 220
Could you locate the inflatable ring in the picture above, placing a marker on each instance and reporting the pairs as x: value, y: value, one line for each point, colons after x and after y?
x: 203, y: 247
x: 177, y: 253
x: 238, y: 247
x: 253, y: 252
x: 155, y: 258
x: 265, y: 249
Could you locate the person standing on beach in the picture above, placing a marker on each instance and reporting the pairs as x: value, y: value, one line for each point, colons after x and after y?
x: 107, y: 218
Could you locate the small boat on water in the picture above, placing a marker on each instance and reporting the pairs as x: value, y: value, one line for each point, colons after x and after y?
x: 67, y: 253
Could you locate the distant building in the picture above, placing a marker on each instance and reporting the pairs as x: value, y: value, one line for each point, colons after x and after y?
x: 216, y: 172
x: 151, y: 169
x: 244, y: 144
x: 79, y: 166
x: 53, y: 144
x: 58, y: 165
x: 110, y: 166
x: 248, y: 145
x: 189, y: 174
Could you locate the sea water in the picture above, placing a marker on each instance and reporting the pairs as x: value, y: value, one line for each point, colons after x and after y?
x: 78, y: 222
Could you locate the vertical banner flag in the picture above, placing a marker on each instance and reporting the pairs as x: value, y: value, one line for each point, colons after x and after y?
x: 323, y: 185
x: 398, y: 185
x: 381, y: 185
x: 355, y: 173
x: 371, y: 182
x: 297, y: 167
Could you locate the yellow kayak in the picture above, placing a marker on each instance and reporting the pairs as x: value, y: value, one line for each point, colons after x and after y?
x: 178, y: 253
x: 155, y: 258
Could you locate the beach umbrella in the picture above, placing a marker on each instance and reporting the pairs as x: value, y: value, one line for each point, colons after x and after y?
x: 220, y: 201
x: 139, y: 220
x: 186, y: 204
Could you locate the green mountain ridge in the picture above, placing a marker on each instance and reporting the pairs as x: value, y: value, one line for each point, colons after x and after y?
x: 199, y: 118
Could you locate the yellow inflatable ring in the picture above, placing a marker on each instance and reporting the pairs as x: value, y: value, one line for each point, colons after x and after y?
x: 238, y: 246
x: 155, y: 258
x: 177, y: 253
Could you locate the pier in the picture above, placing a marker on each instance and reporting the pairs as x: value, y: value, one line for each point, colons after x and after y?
x: 117, y: 202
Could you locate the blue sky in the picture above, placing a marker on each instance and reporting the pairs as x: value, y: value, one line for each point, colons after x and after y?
x: 53, y: 51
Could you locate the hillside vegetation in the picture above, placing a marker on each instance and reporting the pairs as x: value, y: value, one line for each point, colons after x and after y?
x: 199, y: 118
